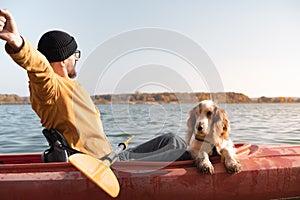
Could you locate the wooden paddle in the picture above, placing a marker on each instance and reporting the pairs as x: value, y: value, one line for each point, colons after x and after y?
x: 98, y: 171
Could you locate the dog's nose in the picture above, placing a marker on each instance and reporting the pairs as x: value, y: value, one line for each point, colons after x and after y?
x: 200, y: 127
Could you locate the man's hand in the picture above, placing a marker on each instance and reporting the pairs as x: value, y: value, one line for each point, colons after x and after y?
x: 9, y: 31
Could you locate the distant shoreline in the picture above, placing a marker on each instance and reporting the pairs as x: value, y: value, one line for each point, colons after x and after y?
x: 163, y: 98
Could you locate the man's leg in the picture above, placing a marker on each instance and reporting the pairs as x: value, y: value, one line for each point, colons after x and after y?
x: 167, y: 147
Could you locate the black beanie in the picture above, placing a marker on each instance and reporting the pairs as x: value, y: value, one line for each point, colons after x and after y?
x: 57, y: 46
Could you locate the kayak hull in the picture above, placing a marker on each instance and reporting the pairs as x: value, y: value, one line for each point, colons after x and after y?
x: 268, y: 172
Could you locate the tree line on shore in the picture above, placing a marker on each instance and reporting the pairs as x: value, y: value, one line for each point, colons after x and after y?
x: 164, y: 98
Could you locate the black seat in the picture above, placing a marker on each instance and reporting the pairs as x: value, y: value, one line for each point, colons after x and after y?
x: 59, y: 150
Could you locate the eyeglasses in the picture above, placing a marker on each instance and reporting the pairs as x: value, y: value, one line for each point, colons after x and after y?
x: 77, y: 54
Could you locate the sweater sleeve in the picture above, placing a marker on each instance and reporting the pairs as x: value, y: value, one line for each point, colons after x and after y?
x: 42, y: 79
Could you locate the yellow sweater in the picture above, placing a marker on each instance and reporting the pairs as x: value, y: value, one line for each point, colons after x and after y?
x: 62, y: 103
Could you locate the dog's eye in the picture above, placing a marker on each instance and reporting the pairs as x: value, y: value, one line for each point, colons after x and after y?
x: 209, y: 113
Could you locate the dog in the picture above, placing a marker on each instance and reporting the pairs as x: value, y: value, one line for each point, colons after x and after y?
x: 210, y: 127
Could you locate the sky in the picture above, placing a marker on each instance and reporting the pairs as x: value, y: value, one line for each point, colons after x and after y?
x: 250, y: 46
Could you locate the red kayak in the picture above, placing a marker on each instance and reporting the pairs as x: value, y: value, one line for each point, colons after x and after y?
x: 268, y: 172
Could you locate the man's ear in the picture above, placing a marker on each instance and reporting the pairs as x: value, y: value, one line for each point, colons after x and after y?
x: 63, y: 63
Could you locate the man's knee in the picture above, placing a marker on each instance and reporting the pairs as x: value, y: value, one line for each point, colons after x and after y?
x: 176, y: 141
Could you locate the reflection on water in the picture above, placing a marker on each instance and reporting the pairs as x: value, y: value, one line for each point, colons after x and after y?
x: 20, y: 129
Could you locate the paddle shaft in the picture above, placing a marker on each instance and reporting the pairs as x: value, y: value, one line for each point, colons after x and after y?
x: 121, y: 147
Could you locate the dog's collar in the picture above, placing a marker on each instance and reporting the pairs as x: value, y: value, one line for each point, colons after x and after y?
x: 202, y: 140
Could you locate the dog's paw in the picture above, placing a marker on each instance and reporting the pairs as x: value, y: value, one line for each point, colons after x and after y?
x: 204, y: 166
x: 233, y: 166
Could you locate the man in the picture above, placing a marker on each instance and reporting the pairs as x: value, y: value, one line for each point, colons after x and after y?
x: 59, y: 101
x: 63, y: 104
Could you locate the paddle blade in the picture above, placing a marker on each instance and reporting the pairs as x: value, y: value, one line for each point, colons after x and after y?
x: 97, y: 171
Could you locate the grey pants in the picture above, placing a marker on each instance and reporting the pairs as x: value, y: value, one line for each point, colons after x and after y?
x: 164, y: 148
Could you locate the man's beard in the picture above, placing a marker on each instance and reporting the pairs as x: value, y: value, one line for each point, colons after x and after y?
x: 72, y: 74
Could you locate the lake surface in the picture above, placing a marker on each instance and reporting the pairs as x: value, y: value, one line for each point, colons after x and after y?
x: 21, y: 131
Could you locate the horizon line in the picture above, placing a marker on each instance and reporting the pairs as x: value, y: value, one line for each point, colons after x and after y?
x: 170, y: 93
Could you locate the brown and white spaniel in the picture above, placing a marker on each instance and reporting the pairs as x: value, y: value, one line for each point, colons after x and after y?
x: 207, y: 133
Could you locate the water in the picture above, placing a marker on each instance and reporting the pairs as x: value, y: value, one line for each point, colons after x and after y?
x: 21, y: 132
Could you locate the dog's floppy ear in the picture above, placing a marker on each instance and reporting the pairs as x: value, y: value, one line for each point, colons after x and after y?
x: 226, y: 127
x: 191, y: 123
x: 220, y: 124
